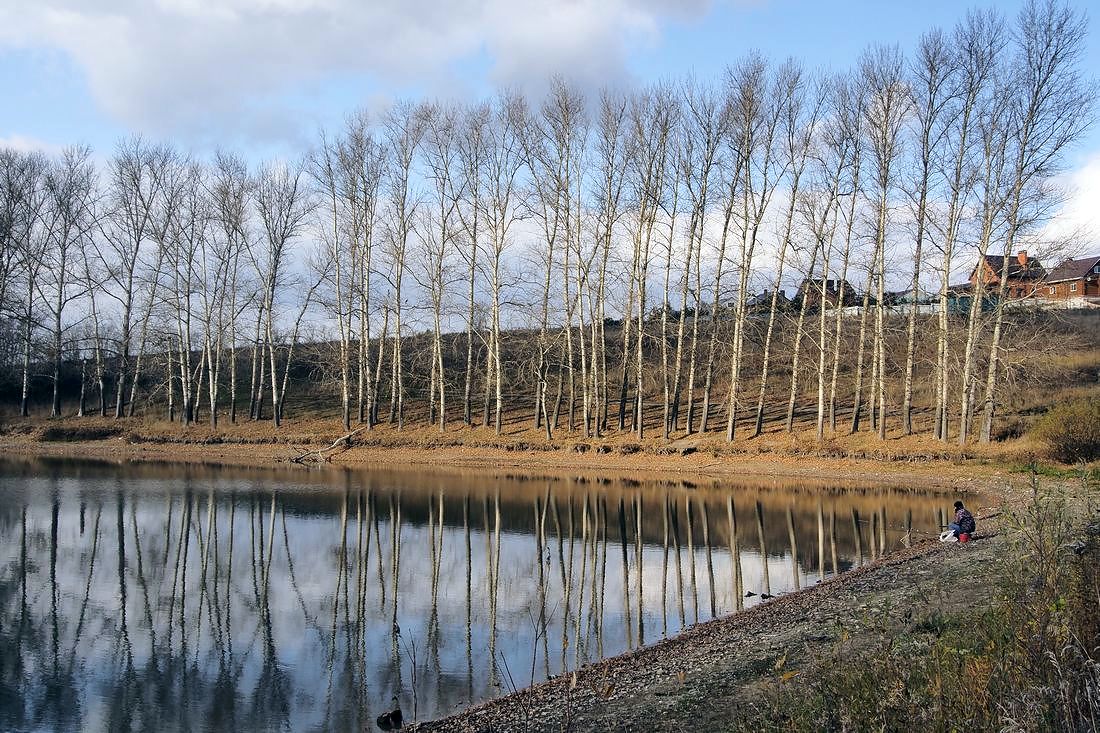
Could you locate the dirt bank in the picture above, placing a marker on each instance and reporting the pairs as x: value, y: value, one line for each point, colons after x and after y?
x: 900, y: 462
x: 949, y: 477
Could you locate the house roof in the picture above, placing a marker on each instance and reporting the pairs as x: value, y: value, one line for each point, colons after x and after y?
x: 1072, y: 269
x: 836, y: 291
x: 1033, y: 270
x: 832, y: 283
x: 765, y: 296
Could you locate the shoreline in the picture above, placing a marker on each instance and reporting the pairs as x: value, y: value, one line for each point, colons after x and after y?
x: 725, y: 657
x: 697, y: 467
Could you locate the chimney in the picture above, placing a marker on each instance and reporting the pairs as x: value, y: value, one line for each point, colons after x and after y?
x: 1021, y: 257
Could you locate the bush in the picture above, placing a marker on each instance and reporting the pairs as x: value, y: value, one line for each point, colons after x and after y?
x: 1071, y: 431
x: 1010, y: 429
x: 67, y: 433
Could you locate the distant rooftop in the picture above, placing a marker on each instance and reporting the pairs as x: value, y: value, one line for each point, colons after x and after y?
x: 1073, y: 269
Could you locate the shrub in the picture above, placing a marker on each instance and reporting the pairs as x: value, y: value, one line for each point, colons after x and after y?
x: 66, y: 433
x: 1010, y: 429
x: 1071, y: 431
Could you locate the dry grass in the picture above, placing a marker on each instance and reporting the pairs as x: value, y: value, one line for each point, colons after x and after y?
x: 1030, y: 660
x: 317, y: 431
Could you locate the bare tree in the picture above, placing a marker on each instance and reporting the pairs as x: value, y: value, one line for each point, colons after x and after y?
x: 21, y: 195
x: 648, y: 169
x: 976, y: 45
x: 437, y: 236
x: 92, y: 278
x: 1048, y: 112
x: 68, y: 220
x: 472, y: 156
x: 888, y: 103
x: 362, y: 162
x: 230, y: 188
x: 613, y: 154
x: 704, y: 121
x: 821, y: 209
x: 851, y: 96
x: 553, y: 144
x: 283, y: 207
x: 991, y: 133
x: 24, y: 244
x: 755, y: 119
x: 930, y: 89
x: 403, y: 132
x: 337, y: 259
x: 799, y: 118
x: 187, y: 215
x: 502, y: 166
x: 126, y: 228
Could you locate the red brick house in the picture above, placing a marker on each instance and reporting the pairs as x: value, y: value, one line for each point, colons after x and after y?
x: 1073, y: 279
x: 1022, y: 280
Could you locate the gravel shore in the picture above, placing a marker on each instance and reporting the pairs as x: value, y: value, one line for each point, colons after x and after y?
x: 701, y: 679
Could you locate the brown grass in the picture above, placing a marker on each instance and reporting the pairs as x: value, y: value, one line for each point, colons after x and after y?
x: 314, y: 431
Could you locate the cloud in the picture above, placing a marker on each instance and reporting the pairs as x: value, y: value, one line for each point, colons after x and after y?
x: 27, y: 144
x: 167, y: 66
x: 1077, y: 225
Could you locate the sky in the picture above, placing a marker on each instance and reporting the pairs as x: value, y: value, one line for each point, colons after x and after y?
x: 262, y: 76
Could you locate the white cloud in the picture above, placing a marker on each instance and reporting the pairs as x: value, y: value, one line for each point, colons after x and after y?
x: 28, y: 144
x: 199, y: 66
x: 1078, y: 223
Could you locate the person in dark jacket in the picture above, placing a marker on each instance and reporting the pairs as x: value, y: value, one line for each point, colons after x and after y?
x: 964, y: 521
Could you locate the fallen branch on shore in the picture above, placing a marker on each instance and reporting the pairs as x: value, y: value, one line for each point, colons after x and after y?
x: 324, y: 455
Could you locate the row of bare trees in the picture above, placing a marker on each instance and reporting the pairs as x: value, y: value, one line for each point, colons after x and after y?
x: 598, y: 256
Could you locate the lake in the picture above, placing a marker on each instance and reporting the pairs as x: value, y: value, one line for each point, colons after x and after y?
x: 183, y: 597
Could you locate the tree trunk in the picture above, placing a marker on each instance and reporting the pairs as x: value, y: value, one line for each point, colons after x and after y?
x: 796, y: 350
x: 857, y: 397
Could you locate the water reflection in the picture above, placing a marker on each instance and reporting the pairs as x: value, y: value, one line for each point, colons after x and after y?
x: 170, y: 598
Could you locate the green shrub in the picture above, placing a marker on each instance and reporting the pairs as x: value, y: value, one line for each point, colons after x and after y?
x: 1071, y: 431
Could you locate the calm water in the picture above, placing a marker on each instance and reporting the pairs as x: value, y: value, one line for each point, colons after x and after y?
x: 153, y: 597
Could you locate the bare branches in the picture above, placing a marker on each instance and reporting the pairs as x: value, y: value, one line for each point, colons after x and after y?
x: 563, y: 251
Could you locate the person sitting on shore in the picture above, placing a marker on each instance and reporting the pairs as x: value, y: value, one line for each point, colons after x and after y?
x: 964, y: 521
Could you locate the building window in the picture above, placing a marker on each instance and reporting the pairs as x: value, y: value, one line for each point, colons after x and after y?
x: 1073, y: 287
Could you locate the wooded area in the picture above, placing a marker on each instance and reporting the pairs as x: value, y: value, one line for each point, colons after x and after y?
x: 619, y: 261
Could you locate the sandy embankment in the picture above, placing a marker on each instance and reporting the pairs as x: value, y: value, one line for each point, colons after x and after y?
x: 930, y: 475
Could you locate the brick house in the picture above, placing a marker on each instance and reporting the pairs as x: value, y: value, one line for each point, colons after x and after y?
x: 1073, y: 279
x: 1023, y: 277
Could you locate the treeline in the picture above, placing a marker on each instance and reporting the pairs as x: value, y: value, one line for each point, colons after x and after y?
x: 611, y: 252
